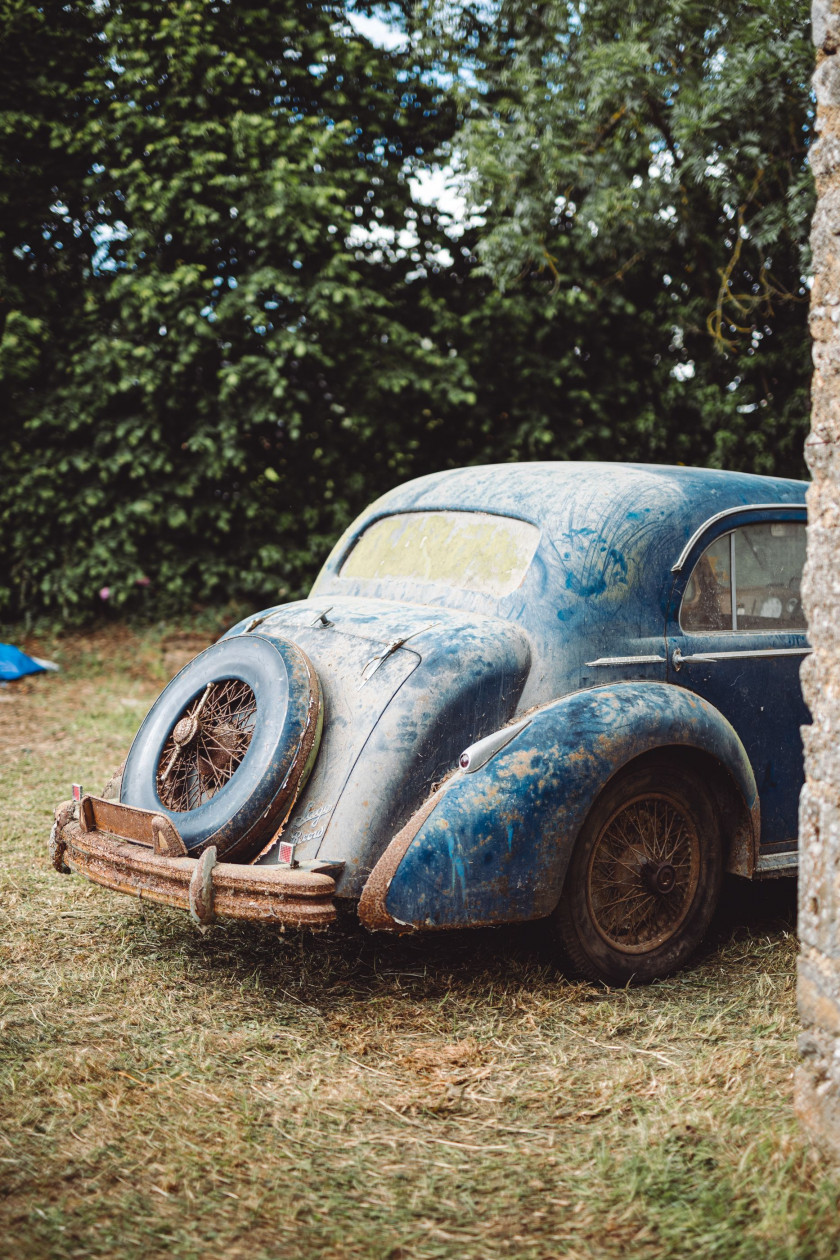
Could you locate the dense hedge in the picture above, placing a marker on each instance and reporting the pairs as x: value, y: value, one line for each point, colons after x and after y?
x: 227, y: 322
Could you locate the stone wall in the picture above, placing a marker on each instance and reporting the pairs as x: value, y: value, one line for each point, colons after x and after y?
x: 818, y: 1078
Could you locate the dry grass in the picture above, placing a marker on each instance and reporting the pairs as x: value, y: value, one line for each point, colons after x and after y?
x: 240, y: 1094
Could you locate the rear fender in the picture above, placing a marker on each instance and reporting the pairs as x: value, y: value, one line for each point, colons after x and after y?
x: 492, y: 845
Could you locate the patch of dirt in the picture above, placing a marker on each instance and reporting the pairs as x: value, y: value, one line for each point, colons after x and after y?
x: 177, y: 650
x: 16, y: 704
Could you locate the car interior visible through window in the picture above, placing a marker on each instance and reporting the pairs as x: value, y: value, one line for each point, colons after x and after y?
x: 748, y: 580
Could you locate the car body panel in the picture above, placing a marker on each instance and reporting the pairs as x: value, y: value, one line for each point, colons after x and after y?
x: 496, y: 845
x: 597, y: 606
x: 758, y: 690
x: 600, y: 581
x: 405, y: 687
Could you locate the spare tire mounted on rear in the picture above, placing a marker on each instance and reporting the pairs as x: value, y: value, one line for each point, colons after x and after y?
x: 227, y: 746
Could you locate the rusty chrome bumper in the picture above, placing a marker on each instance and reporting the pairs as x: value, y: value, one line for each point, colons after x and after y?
x: 207, y: 888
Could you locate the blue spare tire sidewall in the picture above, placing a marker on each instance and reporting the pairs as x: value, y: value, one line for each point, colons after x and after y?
x: 238, y: 816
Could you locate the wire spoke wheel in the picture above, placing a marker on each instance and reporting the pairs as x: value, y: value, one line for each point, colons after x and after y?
x: 206, y: 745
x: 643, y: 873
x: 228, y: 744
x: 644, y: 876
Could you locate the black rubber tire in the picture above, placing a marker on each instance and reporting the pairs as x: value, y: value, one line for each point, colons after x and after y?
x: 657, y: 798
x: 243, y: 813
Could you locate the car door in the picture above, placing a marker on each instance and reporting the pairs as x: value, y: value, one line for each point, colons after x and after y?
x: 736, y: 636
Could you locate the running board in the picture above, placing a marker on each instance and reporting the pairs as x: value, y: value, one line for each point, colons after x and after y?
x: 770, y: 864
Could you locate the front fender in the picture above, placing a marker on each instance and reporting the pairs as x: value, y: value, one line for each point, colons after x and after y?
x: 492, y: 846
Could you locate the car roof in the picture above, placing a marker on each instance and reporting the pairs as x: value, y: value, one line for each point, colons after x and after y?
x: 537, y: 492
x: 610, y: 532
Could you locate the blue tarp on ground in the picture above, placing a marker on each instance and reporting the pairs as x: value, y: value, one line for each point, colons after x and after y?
x: 14, y: 663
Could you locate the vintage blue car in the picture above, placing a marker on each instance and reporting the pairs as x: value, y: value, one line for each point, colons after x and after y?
x: 540, y: 691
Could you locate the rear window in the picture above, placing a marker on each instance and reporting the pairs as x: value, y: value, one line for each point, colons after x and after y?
x: 471, y: 551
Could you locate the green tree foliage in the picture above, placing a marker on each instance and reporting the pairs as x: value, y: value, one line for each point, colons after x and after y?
x: 248, y: 361
x: 226, y: 322
x: 45, y: 52
x: 45, y: 251
x: 642, y: 171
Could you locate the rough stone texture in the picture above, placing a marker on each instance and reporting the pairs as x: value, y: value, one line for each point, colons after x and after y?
x: 818, y: 1077
x: 825, y: 25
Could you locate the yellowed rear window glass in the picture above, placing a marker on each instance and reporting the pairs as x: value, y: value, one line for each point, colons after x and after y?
x: 472, y: 551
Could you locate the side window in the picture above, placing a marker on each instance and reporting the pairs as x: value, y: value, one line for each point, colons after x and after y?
x: 762, y: 565
x: 707, y: 602
x: 769, y: 560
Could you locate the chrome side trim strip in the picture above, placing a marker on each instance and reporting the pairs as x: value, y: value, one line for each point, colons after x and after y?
x: 777, y: 863
x: 679, y: 659
x: 733, y: 511
x: 626, y: 660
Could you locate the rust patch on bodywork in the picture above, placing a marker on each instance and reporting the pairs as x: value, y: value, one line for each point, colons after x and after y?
x: 497, y: 845
x: 267, y: 893
x: 65, y: 814
x: 372, y: 911
x: 746, y: 829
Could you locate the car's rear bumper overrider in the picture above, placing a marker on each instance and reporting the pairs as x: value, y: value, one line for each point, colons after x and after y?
x: 208, y: 889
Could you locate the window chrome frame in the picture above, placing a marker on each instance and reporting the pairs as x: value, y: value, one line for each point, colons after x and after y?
x: 679, y: 564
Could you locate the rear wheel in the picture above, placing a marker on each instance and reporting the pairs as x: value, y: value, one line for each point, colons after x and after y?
x: 644, y: 878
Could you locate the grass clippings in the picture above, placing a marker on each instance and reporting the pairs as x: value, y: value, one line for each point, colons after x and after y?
x: 245, y: 1094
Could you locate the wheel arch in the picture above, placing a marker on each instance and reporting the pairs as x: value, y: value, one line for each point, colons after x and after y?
x: 493, y: 845
x: 739, y: 824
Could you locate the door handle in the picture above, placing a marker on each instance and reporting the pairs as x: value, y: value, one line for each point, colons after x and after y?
x: 677, y: 659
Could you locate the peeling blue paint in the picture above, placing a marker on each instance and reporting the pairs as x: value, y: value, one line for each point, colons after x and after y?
x: 575, y: 584
x: 542, y: 785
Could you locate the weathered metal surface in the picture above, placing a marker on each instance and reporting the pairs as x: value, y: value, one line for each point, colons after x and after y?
x: 493, y: 846
x: 64, y: 814
x: 137, y: 825
x: 202, y: 910
x: 752, y: 678
x: 167, y: 842
x: 731, y: 516
x: 379, y: 658
x: 271, y: 894
x: 141, y: 826
x: 372, y: 911
x: 456, y: 679
x: 338, y: 656
x: 600, y: 582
